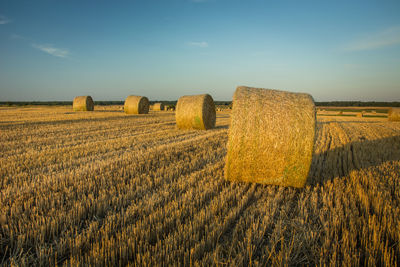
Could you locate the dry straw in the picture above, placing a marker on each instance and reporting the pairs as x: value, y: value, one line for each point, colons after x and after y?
x: 394, y: 114
x: 136, y: 105
x: 195, y: 112
x: 271, y: 137
x: 158, y: 106
x: 83, y: 103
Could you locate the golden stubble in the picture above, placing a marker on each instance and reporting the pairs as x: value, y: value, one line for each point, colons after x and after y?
x: 102, y: 188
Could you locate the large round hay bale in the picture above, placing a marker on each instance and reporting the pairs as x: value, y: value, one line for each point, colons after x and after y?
x: 195, y: 112
x: 394, y: 114
x: 158, y: 106
x: 136, y: 105
x: 271, y: 137
x: 83, y: 103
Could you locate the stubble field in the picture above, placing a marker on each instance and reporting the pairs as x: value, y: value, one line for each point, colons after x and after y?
x: 105, y: 188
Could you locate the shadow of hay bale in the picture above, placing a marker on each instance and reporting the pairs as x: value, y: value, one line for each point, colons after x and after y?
x: 357, y: 155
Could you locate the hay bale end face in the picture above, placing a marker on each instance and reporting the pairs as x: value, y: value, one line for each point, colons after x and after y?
x: 158, y: 106
x: 271, y: 137
x: 394, y: 114
x: 136, y: 105
x: 83, y: 103
x: 195, y: 112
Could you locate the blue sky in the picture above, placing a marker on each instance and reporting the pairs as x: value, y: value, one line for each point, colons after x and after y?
x: 334, y: 50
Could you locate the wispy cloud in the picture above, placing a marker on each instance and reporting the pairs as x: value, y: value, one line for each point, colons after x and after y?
x: 387, y: 37
x: 198, y: 44
x: 49, y: 49
x: 17, y: 37
x: 4, y: 20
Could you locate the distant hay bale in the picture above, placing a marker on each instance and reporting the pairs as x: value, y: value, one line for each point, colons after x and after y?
x: 136, y: 105
x: 359, y: 115
x: 394, y: 114
x: 83, y: 103
x: 169, y: 107
x: 158, y: 106
x: 195, y: 112
x: 271, y: 137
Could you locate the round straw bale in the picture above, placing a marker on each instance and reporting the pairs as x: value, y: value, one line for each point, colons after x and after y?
x: 83, y: 103
x: 394, y: 114
x: 158, y: 106
x: 136, y: 105
x: 359, y: 115
x: 170, y: 107
x: 271, y: 137
x: 195, y: 112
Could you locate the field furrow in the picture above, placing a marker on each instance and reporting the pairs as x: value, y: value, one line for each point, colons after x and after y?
x: 104, y: 188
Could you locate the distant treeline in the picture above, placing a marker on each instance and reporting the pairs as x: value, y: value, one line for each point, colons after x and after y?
x: 226, y: 103
x: 357, y: 104
x: 100, y: 103
x: 57, y: 103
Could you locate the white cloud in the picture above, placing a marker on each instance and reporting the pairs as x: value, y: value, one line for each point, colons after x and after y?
x: 4, y: 20
x: 198, y: 44
x: 387, y: 37
x: 17, y: 37
x: 49, y: 49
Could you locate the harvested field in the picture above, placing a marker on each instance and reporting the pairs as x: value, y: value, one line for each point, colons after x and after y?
x: 103, y: 188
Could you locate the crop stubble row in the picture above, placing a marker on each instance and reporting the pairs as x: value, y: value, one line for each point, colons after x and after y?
x: 142, y: 192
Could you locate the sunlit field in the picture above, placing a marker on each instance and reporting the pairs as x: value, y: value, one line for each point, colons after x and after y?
x: 106, y: 188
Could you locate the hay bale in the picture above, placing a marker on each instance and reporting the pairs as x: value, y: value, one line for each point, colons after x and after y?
x: 394, y: 114
x: 359, y: 115
x: 170, y: 107
x: 83, y: 103
x: 158, y: 106
x: 136, y: 105
x: 195, y: 112
x: 271, y: 137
